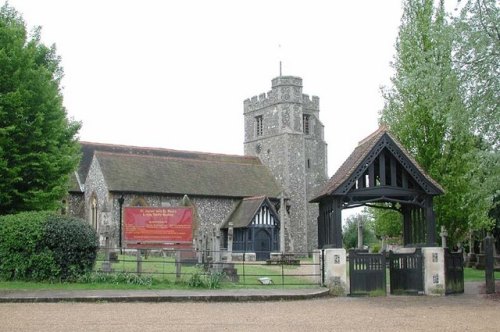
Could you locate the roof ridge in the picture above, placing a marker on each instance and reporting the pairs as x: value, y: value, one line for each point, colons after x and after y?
x: 145, y: 148
x: 381, y: 129
x: 133, y: 155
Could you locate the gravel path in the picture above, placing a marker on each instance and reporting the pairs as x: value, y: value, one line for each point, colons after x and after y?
x: 391, y: 313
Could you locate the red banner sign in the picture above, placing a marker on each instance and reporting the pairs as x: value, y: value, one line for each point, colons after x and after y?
x: 158, y: 225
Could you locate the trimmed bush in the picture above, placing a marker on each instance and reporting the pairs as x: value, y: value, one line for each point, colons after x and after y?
x: 21, y: 257
x: 43, y: 246
x: 73, y: 244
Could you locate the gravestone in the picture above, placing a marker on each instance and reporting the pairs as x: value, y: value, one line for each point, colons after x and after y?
x: 489, y: 265
x: 444, y: 236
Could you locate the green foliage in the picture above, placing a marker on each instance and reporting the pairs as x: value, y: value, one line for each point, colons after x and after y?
x: 21, y: 257
x: 73, y: 244
x: 38, y: 147
x: 387, y: 222
x: 426, y: 111
x: 350, y: 230
x: 211, y: 280
x: 116, y: 278
x: 42, y: 246
x: 376, y: 248
x: 477, y: 49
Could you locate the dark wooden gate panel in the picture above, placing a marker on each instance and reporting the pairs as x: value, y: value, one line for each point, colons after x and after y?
x: 454, y: 272
x: 406, y: 272
x: 366, y: 273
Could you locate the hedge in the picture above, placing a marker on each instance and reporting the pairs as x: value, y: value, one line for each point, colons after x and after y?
x: 44, y: 246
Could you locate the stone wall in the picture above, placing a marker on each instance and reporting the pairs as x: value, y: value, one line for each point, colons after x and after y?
x: 297, y: 161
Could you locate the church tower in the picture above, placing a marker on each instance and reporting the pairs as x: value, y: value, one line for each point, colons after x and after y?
x: 283, y: 129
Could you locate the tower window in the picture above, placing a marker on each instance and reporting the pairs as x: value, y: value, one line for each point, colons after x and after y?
x: 308, y: 163
x: 259, y: 125
x: 306, y: 124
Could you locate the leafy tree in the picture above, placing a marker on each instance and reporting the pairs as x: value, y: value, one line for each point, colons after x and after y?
x: 477, y: 59
x: 38, y: 144
x: 350, y: 230
x: 387, y: 222
x: 424, y: 108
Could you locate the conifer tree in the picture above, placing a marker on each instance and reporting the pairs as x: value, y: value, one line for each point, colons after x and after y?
x: 38, y: 144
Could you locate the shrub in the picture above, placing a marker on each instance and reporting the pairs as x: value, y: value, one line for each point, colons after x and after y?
x: 73, y: 244
x: 43, y: 246
x: 21, y: 256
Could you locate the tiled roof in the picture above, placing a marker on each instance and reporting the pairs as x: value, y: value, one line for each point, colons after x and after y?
x: 134, y: 169
x: 74, y: 186
x: 357, y: 158
x: 245, y: 210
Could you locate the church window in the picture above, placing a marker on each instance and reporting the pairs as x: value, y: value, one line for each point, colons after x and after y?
x: 139, y: 201
x: 306, y: 124
x: 308, y: 163
x: 259, y: 125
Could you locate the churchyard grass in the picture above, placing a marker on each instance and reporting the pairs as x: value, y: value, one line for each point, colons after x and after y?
x: 471, y: 274
x: 160, y: 273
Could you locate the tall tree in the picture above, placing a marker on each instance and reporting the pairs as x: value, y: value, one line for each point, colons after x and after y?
x: 477, y: 59
x: 38, y: 144
x: 425, y: 110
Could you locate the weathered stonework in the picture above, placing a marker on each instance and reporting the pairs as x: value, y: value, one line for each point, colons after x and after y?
x: 209, y: 212
x: 298, y: 160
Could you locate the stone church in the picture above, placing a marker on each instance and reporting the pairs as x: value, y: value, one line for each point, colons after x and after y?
x: 261, y: 198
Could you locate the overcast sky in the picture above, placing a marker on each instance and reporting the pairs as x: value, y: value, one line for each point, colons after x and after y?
x: 174, y: 74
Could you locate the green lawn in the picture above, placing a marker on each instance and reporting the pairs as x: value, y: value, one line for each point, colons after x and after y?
x: 162, y: 270
x: 471, y: 274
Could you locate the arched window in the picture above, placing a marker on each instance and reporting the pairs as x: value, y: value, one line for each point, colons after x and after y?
x: 139, y: 201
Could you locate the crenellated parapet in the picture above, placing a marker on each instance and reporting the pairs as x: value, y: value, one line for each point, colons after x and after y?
x: 311, y: 104
x: 262, y: 101
x: 285, y: 89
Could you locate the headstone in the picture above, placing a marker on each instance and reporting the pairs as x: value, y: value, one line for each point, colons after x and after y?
x: 230, y: 242
x: 106, y: 265
x: 444, y: 235
x: 360, y: 235
x: 489, y: 265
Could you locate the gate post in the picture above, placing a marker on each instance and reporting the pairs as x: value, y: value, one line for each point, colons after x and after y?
x: 434, y: 277
x: 336, y: 267
x: 317, y: 267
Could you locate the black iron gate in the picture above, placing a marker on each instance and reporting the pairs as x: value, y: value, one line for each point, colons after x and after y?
x: 406, y: 272
x: 454, y: 272
x: 366, y: 273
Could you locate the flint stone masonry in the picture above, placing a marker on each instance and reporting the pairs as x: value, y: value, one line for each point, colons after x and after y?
x: 208, y: 212
x: 297, y: 160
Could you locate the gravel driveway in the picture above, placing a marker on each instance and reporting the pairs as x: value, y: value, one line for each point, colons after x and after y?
x: 391, y: 313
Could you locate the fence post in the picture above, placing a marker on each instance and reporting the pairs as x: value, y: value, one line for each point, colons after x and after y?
x: 139, y: 261
x: 317, y: 266
x: 177, y: 264
x: 282, y: 269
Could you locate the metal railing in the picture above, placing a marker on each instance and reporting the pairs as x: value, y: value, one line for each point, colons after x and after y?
x: 182, y: 265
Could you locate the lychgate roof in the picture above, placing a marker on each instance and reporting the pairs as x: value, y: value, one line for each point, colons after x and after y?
x: 353, y: 173
x: 162, y: 171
